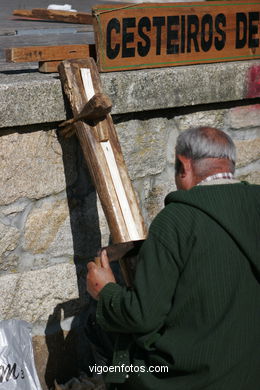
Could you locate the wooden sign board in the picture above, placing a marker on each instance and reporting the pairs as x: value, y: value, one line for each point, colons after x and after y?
x: 152, y: 35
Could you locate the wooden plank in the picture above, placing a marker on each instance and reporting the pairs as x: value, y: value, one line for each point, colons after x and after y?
x: 48, y: 53
x: 150, y: 35
x: 120, y: 191
x: 56, y: 15
x: 70, y: 72
x: 87, y: 82
x: 27, y: 13
x: 112, y: 164
x: 49, y: 66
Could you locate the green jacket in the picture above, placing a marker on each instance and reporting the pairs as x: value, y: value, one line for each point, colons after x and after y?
x: 195, y: 305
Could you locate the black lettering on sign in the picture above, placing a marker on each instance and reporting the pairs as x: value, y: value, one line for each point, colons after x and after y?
x: 144, y: 23
x: 241, y: 30
x: 7, y: 372
x: 253, y: 29
x: 183, y: 33
x: 128, y: 37
x: 220, y: 20
x: 112, y: 52
x: 192, y: 32
x: 206, y: 32
x: 158, y: 22
x: 172, y: 34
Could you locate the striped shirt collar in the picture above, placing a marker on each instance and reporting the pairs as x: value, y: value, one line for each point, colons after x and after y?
x: 221, y: 175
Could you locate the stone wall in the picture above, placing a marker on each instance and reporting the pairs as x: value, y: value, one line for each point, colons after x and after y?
x: 51, y: 222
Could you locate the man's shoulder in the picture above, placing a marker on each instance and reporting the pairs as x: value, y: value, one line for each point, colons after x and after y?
x: 202, y: 193
x: 181, y: 207
x: 172, y: 216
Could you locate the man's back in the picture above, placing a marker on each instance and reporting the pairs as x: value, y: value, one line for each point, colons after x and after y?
x: 212, y: 331
x: 195, y: 304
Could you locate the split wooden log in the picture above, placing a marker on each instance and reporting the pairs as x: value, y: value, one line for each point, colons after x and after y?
x: 81, y: 81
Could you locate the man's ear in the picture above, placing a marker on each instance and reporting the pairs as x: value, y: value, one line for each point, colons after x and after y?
x: 185, y: 163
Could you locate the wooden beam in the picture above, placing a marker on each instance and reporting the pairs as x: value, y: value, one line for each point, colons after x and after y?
x: 48, y: 53
x: 120, y: 190
x: 48, y: 66
x: 99, y: 164
x: 56, y: 15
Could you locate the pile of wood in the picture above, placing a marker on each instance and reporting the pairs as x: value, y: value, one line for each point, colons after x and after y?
x: 49, y: 57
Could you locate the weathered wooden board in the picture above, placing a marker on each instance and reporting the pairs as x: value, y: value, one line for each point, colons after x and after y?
x: 81, y: 80
x: 149, y: 35
x: 56, y: 15
x: 48, y: 53
x: 49, y: 66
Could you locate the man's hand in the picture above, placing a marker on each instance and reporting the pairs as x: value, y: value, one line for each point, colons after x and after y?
x: 98, y: 277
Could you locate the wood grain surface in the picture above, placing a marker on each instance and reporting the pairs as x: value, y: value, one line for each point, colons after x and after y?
x: 152, y: 35
x: 96, y: 158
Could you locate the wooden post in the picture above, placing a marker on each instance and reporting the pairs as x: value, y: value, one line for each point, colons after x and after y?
x: 81, y: 81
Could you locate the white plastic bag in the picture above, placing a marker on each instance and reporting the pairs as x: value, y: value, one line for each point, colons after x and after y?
x: 17, y: 368
x: 58, y: 7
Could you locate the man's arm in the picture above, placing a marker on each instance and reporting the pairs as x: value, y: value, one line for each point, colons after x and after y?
x: 143, y: 308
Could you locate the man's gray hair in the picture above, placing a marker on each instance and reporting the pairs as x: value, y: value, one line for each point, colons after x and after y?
x: 206, y: 142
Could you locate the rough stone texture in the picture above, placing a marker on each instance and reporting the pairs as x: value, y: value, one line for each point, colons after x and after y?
x: 245, y: 117
x: 9, y: 237
x: 213, y: 118
x: 152, y: 191
x: 43, y: 225
x: 30, y: 98
x: 13, y: 208
x: 248, y: 169
x: 33, y: 296
x: 61, y: 245
x: 247, y: 151
x: 252, y: 177
x: 177, y: 87
x: 27, y: 98
x: 144, y: 145
x: 9, y: 263
x: 31, y: 166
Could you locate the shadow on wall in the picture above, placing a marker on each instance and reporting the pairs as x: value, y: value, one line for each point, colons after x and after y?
x: 71, y: 352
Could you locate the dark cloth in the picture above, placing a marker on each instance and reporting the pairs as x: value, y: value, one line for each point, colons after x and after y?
x: 195, y: 302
